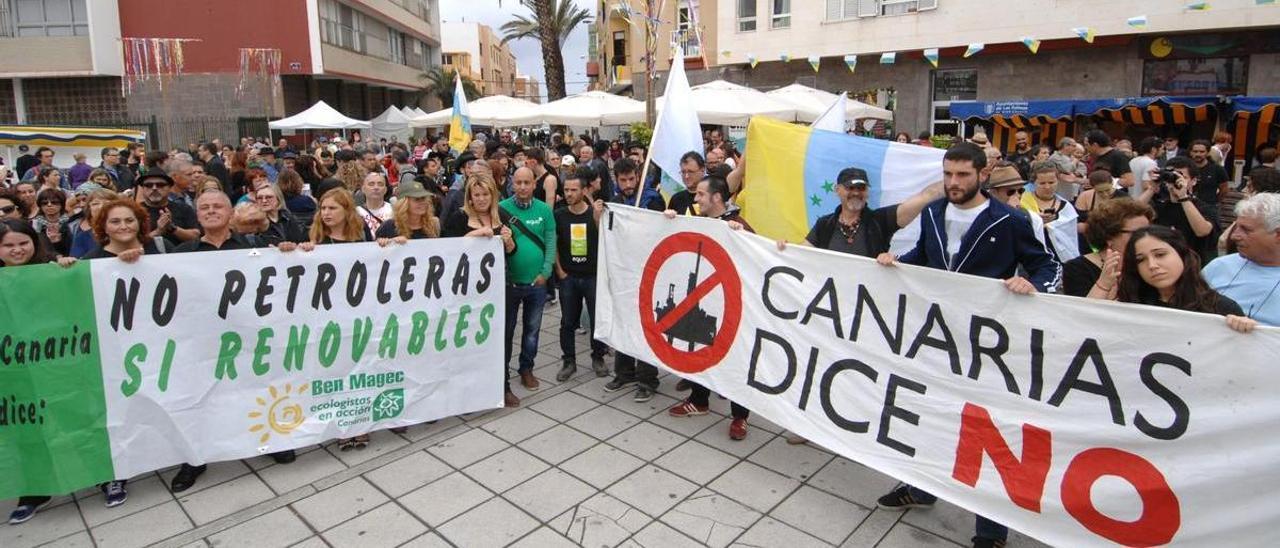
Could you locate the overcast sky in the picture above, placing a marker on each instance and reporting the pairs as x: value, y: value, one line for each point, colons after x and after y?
x: 528, y: 54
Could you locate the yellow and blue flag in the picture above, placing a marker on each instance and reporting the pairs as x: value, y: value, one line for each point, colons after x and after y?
x: 792, y: 178
x: 460, y: 120
x: 1084, y: 33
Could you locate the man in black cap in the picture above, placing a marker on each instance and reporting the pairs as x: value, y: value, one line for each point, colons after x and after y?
x: 453, y: 198
x: 173, y: 220
x: 855, y: 227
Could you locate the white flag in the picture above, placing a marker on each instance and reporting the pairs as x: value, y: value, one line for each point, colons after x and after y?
x: 676, y: 130
x: 834, y: 118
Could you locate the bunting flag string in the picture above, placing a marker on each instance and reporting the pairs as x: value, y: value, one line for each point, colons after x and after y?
x: 815, y: 61
x: 888, y: 58
x: 148, y: 59
x: 1137, y: 22
x: 1032, y: 44
x: 262, y: 62
x: 1084, y: 33
x: 1198, y: 6
x: 931, y: 55
x: 784, y: 57
x: 751, y: 60
x: 973, y: 49
x: 851, y: 61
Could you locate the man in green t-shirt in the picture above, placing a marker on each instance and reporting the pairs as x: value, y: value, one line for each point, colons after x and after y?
x: 534, y: 227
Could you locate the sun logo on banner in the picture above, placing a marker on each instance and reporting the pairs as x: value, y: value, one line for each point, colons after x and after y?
x: 278, y: 415
x: 389, y: 404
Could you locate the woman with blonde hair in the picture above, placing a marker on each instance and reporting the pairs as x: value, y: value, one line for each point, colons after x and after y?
x: 352, y: 175
x: 413, y: 216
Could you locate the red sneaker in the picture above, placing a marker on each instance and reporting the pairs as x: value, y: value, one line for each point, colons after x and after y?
x: 738, y: 429
x: 687, y: 409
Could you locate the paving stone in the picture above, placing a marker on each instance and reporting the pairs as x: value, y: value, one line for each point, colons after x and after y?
x: 467, y: 448
x: 280, y: 528
x: 872, y: 529
x: 853, y: 482
x: 820, y: 514
x: 449, y: 496
x: 558, y: 444
x: 956, y: 524
x: 603, y: 422
x: 696, y: 461
x: 428, y: 540
x: 644, y: 410
x: 601, y: 465
x: 49, y: 524
x: 906, y: 536
x: 310, y: 467
x: 387, y: 525
x: 505, y: 469
x: 601, y: 520
x: 312, y: 542
x: 408, y: 473
x: 225, y: 499
x: 651, y: 490
x: 494, y: 523
x: 659, y: 535
x: 77, y: 540
x: 518, y: 426
x: 549, y: 494
x: 339, y: 503
x: 718, y: 436
x: 544, y: 537
x: 565, y: 406
x: 754, y: 486
x: 422, y: 431
x: 215, y: 474
x: 594, y: 390
x: 711, y: 518
x: 685, y: 426
x: 146, y: 527
x: 646, y: 441
x: 771, y: 532
x: 798, y: 462
x: 143, y: 494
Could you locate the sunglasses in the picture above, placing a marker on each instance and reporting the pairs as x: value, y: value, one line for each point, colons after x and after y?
x: 154, y: 185
x: 43, y: 203
x: 1011, y: 191
x: 8, y: 209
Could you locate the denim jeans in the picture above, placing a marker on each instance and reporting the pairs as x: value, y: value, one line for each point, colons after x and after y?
x: 627, y: 368
x: 574, y: 291
x: 701, y: 396
x: 529, y: 299
x: 982, y: 527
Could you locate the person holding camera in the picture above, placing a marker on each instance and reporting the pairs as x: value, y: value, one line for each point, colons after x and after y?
x: 1172, y: 196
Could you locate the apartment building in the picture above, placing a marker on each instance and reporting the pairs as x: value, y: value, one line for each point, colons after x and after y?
x: 493, y: 66
x: 687, y: 30
x: 65, y: 61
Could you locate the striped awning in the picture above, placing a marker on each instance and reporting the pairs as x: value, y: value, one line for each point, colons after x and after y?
x: 1253, y: 122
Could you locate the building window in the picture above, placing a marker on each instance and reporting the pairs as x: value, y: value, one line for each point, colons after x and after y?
x: 903, y: 7
x: 395, y: 45
x: 746, y: 15
x: 1205, y: 76
x: 841, y: 9
x: 50, y: 18
x: 948, y: 86
x: 686, y: 35
x: 838, y: 10
x: 780, y: 14
x: 619, y: 48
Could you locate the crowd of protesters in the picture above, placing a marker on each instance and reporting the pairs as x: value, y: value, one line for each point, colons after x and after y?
x: 1155, y: 224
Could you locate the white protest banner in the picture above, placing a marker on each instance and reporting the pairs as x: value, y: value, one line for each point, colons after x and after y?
x: 116, y: 369
x: 1078, y: 422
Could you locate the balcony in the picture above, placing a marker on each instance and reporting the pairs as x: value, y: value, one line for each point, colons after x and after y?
x: 36, y: 48
x: 689, y: 45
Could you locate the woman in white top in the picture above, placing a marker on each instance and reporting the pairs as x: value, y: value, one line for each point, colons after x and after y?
x: 376, y: 210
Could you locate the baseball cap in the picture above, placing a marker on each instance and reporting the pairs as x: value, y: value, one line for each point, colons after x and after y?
x: 853, y: 176
x: 412, y: 189
x: 289, y: 154
x: 1005, y: 176
x: 568, y: 160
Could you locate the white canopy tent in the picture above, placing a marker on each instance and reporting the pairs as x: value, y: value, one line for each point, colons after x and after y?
x: 728, y: 104
x: 319, y: 116
x: 417, y: 111
x: 493, y: 111
x: 810, y: 103
x: 391, y: 123
x: 408, y: 112
x: 591, y: 109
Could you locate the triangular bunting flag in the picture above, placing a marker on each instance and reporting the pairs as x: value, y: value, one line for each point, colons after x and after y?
x: 888, y: 58
x: 973, y: 50
x: 1138, y: 22
x: 814, y: 61
x: 1085, y: 33
x: 751, y: 60
x: 931, y: 55
x: 851, y: 61
x: 1032, y: 44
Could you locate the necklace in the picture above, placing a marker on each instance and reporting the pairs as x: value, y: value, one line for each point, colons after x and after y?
x: 849, y: 231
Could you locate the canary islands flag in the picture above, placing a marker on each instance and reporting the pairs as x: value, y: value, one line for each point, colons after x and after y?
x: 460, y: 121
x: 793, y: 171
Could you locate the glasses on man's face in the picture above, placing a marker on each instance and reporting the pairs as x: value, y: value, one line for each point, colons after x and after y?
x: 266, y: 197
x: 5, y: 210
x: 154, y: 186
x: 1009, y: 192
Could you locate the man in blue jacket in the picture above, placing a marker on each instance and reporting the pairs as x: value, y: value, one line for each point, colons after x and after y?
x: 969, y: 232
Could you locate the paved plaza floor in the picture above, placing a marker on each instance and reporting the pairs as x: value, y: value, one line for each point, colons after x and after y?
x: 572, y: 466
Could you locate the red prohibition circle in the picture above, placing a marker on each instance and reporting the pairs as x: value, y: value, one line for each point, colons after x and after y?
x: 724, y: 276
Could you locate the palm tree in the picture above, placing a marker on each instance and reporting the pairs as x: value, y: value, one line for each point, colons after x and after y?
x: 552, y: 23
x: 438, y: 83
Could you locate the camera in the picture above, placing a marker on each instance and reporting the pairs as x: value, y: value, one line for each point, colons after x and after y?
x: 1166, y: 175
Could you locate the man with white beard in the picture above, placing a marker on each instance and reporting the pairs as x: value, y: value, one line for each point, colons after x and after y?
x: 858, y: 229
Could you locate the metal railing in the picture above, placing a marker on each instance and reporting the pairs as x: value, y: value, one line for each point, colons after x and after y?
x: 689, y: 44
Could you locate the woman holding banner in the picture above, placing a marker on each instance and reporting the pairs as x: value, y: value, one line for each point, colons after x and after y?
x: 480, y: 217
x: 338, y: 222
x: 121, y: 231
x: 1160, y: 269
x: 21, y: 245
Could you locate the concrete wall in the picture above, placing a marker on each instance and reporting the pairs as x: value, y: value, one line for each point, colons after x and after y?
x: 957, y: 23
x: 349, y: 64
x: 1264, y: 74
x: 462, y: 37
x: 222, y: 28
x: 46, y: 56
x: 403, y: 19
